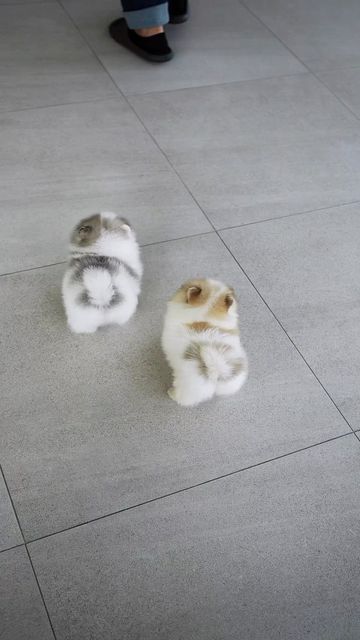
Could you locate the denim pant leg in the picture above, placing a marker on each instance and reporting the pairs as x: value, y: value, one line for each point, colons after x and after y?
x: 140, y: 14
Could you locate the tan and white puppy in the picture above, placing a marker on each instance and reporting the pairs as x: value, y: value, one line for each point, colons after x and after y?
x: 201, y: 342
x: 102, y: 282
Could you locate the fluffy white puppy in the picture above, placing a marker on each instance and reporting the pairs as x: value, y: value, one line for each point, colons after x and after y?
x: 102, y: 282
x: 201, y: 342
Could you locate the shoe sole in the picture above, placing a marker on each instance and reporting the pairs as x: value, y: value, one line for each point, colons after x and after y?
x: 118, y: 32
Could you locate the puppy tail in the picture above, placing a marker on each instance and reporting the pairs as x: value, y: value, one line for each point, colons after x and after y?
x: 99, y: 286
x: 215, y: 363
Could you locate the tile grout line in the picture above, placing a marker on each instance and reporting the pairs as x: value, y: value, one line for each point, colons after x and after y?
x: 219, y: 84
x: 89, y: 46
x: 287, y: 334
x: 42, y: 266
x: 313, y: 73
x: 2, y: 474
x: 27, y: 552
x: 15, y: 546
x: 146, y: 244
x: 40, y: 591
x: 304, y: 72
x: 204, y: 233
x: 191, y: 487
x: 324, y: 84
x: 114, y: 96
x: 291, y: 215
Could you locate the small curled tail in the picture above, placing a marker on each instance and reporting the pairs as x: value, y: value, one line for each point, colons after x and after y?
x: 99, y: 286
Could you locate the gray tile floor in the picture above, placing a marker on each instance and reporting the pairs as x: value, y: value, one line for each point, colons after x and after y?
x: 123, y: 516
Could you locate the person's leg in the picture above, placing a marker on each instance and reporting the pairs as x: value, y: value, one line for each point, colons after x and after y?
x: 156, y: 14
x: 142, y: 29
x: 179, y: 11
x: 143, y: 15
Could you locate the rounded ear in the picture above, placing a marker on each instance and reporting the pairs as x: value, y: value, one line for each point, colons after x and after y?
x: 87, y: 230
x: 230, y: 298
x: 84, y: 231
x: 120, y: 224
x: 192, y: 293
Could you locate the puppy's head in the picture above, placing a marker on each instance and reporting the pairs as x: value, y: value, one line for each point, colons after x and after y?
x: 215, y: 298
x: 89, y: 230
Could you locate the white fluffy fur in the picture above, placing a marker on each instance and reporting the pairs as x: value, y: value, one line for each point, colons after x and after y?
x: 100, y: 284
x: 190, y: 387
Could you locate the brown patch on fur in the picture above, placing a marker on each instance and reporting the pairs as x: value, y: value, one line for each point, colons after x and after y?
x: 221, y: 347
x: 222, y: 304
x: 238, y: 365
x: 199, y: 327
x: 192, y: 295
x: 233, y: 332
x: 193, y: 292
x: 193, y: 352
x: 87, y: 231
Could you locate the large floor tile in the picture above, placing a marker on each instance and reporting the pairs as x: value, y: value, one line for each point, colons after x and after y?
x: 60, y: 163
x: 44, y: 60
x: 307, y: 268
x: 270, y: 553
x: 345, y: 83
x: 22, y: 613
x: 254, y: 150
x: 222, y: 42
x: 10, y: 534
x: 89, y: 428
x: 79, y: 150
x: 324, y: 34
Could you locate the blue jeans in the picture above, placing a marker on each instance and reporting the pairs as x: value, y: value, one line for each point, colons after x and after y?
x: 140, y: 14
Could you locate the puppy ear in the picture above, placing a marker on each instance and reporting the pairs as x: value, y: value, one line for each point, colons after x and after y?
x: 87, y: 231
x: 229, y: 298
x: 120, y: 224
x: 84, y: 231
x: 192, y: 293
